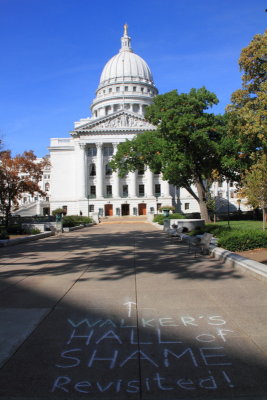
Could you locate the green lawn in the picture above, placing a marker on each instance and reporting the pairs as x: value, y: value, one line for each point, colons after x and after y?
x: 242, y: 224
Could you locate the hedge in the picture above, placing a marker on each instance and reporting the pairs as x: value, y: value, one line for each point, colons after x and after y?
x: 74, y: 220
x: 242, y: 240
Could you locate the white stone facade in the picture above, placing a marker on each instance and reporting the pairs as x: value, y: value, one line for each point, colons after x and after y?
x: 81, y: 179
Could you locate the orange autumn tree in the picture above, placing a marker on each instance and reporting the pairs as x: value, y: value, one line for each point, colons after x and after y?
x: 18, y: 175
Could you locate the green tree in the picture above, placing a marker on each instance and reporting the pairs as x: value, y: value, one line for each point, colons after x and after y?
x: 18, y: 175
x: 248, y: 111
x: 186, y: 146
x: 254, y: 186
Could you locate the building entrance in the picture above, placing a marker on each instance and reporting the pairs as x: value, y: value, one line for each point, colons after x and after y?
x: 108, y: 210
x: 125, y: 209
x: 142, y: 209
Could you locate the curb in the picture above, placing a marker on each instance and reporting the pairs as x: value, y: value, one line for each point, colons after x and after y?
x: 252, y: 267
x: 12, y: 242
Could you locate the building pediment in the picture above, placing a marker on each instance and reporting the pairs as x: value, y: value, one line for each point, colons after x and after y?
x: 120, y: 121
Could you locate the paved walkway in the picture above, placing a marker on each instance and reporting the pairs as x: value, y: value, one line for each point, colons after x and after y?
x: 120, y: 311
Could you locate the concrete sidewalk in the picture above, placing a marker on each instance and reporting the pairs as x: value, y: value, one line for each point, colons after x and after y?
x: 120, y: 311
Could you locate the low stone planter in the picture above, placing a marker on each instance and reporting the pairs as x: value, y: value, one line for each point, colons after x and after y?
x: 75, y: 228
x: 189, y: 224
x: 12, y: 242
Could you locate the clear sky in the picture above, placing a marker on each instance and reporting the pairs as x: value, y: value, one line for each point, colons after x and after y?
x: 53, y: 52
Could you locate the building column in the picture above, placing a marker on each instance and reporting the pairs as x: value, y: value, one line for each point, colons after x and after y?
x: 165, y: 188
x: 132, y: 184
x: 99, y: 171
x: 149, y: 185
x: 80, y: 171
x: 115, y: 174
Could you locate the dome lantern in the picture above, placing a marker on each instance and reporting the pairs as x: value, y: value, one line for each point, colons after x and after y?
x: 125, y: 40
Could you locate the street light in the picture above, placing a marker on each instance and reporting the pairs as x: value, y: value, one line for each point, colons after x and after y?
x: 228, y: 205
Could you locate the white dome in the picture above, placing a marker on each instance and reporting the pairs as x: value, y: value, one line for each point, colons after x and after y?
x: 126, y: 66
x: 126, y: 83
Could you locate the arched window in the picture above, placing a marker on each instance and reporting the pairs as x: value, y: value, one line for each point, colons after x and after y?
x: 92, y: 169
x: 47, y: 187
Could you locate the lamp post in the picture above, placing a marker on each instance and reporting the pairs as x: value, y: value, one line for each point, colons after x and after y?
x: 88, y: 204
x: 228, y: 205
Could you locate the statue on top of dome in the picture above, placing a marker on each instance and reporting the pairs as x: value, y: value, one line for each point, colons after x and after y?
x: 125, y: 26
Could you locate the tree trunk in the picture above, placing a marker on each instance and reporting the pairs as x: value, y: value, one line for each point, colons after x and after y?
x: 202, y: 202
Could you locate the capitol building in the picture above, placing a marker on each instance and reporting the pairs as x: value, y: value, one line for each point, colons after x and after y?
x: 80, y: 179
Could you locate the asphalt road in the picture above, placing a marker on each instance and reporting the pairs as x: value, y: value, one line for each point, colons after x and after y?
x: 120, y: 311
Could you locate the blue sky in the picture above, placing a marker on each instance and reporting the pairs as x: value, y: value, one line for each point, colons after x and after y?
x: 53, y: 52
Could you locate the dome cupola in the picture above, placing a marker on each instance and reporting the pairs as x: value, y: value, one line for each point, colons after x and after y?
x: 126, y: 66
x: 126, y: 79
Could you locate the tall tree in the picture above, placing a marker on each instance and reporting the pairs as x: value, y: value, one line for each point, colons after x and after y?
x: 186, y: 147
x: 248, y: 111
x: 18, y: 175
x: 254, y: 186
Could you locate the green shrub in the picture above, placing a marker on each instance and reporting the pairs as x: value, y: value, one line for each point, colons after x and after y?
x: 34, y: 231
x: 58, y: 211
x: 170, y: 208
x: 216, y: 230
x: 176, y: 216
x: 4, y: 235
x: 159, y: 218
x: 242, y: 240
x: 31, y: 231
x: 74, y: 220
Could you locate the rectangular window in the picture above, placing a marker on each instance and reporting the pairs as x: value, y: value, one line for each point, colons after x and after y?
x: 91, y: 208
x: 117, y: 89
x: 157, y: 189
x: 141, y: 190
x: 186, y: 206
x: 108, y: 169
x: 92, y: 170
x: 92, y: 191
x: 91, y: 151
x: 220, y: 183
x: 126, y: 88
x: 109, y: 190
x: 125, y: 191
x: 141, y: 171
x: 65, y: 210
x: 134, y: 89
x: 108, y: 150
x: 110, y: 90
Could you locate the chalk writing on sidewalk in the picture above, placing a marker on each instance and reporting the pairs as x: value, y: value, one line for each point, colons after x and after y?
x: 178, y: 354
